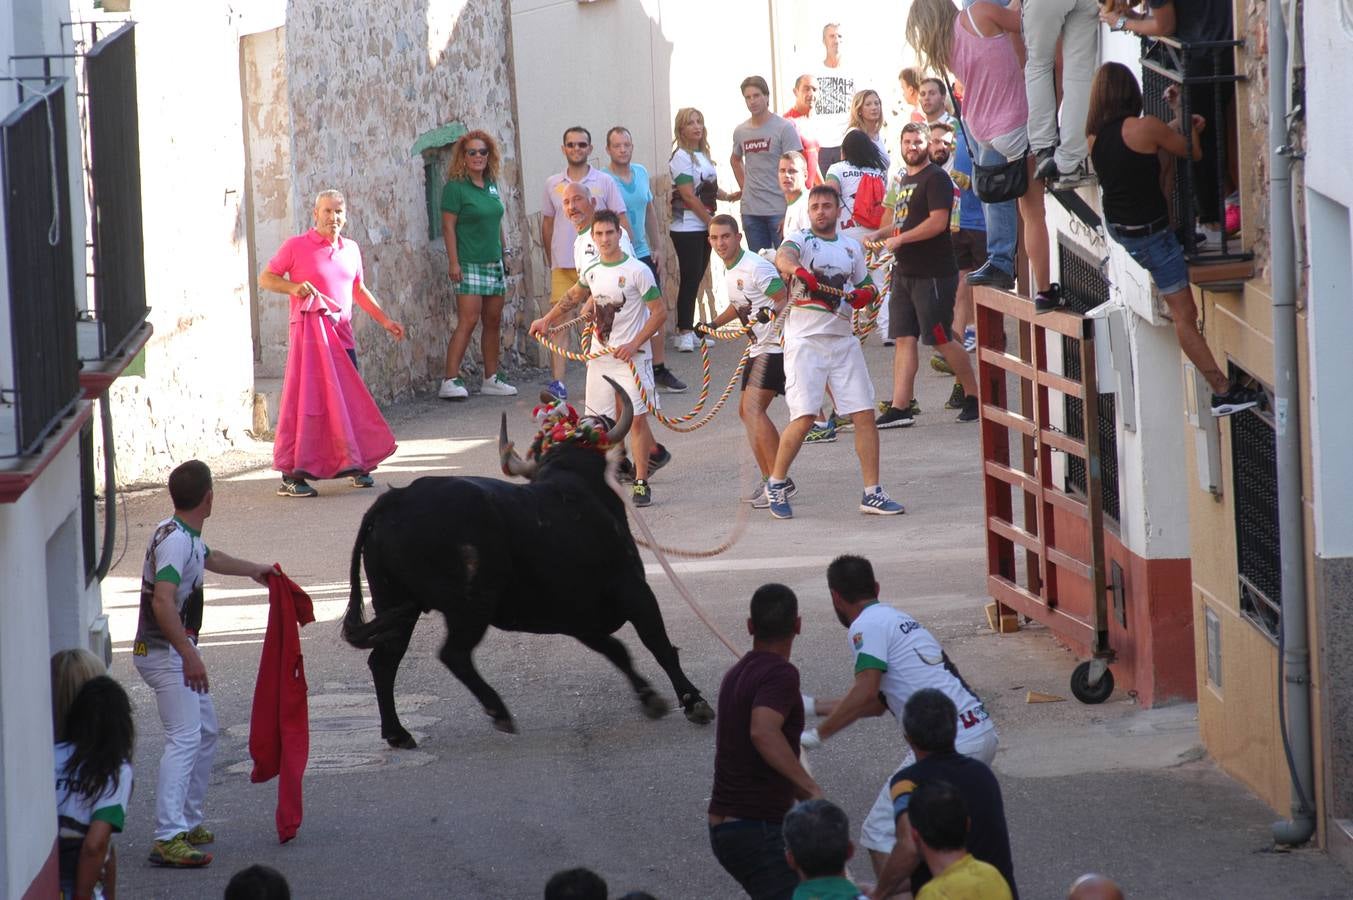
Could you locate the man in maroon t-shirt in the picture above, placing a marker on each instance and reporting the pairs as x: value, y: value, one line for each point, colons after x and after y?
x: 757, y: 774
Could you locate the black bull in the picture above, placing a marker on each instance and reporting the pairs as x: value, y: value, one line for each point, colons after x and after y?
x: 551, y: 557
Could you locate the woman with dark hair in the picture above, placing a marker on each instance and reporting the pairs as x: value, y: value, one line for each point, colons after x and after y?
x: 93, y: 787
x: 1125, y: 147
x: 472, y: 227
x: 861, y: 178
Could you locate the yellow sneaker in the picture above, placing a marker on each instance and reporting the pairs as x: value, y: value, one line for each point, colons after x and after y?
x: 178, y: 853
x: 199, y: 836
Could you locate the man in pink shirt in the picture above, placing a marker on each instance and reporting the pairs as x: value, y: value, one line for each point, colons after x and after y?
x: 321, y: 271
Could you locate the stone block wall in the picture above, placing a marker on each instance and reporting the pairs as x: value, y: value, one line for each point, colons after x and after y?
x: 364, y: 80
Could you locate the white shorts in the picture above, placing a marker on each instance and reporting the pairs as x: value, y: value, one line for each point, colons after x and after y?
x: 879, y: 831
x: 814, y: 361
x: 599, y: 399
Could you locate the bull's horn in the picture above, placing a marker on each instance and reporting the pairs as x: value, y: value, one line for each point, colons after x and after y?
x: 512, y: 463
x: 622, y: 425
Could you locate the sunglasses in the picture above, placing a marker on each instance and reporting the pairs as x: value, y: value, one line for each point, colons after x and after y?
x: 577, y: 145
x: 477, y: 151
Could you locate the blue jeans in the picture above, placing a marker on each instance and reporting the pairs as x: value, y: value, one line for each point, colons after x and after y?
x: 762, y: 232
x: 1160, y: 254
x: 1002, y: 218
x: 753, y: 852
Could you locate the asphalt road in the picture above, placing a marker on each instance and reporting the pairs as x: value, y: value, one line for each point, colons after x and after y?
x: 588, y: 780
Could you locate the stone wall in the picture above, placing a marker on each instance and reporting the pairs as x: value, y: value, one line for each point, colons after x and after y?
x: 364, y: 80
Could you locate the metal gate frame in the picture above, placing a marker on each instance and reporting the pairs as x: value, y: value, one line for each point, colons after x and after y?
x: 1040, y: 599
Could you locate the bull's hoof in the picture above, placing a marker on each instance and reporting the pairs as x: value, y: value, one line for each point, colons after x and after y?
x: 698, y: 711
x: 654, y: 706
x: 403, y: 741
x: 505, y: 724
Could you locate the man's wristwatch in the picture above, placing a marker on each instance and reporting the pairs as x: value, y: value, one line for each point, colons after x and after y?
x: 1121, y: 24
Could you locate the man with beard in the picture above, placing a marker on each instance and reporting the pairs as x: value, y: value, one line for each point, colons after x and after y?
x: 895, y: 657
x: 968, y: 231
x: 830, y: 277
x: 925, y: 277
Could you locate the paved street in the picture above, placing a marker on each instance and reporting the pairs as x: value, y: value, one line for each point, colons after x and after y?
x: 588, y: 780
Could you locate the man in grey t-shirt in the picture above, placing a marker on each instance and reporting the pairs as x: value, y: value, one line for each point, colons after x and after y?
x: 757, y: 146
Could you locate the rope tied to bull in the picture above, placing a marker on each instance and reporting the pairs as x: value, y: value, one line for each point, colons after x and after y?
x: 675, y: 423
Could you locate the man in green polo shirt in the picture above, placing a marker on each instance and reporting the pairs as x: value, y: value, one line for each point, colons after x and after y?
x: 817, y: 846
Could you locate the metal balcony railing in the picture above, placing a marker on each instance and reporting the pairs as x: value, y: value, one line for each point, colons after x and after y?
x: 43, y: 384
x: 1203, y: 73
x: 114, y: 183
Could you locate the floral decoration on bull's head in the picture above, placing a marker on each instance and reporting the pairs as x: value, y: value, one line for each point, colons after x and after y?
x: 559, y: 423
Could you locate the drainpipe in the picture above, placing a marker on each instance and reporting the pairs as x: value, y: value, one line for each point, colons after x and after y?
x: 1294, y: 695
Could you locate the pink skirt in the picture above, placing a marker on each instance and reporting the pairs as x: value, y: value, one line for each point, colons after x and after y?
x: 328, y: 425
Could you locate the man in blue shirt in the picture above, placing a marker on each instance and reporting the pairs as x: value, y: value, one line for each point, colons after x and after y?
x: 632, y: 179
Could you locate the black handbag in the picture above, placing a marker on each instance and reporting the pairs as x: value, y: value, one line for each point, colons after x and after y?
x: 995, y: 184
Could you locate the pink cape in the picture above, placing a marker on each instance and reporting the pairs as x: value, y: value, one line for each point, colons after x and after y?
x: 328, y: 425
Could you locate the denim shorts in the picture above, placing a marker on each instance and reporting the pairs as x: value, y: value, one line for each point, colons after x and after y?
x: 1161, y: 255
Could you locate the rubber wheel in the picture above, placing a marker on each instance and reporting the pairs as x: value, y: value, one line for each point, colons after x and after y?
x: 1082, y: 690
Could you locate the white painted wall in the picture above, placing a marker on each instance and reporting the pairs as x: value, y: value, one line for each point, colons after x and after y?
x: 1329, y: 196
x: 636, y: 62
x: 1152, y: 475
x: 26, y: 643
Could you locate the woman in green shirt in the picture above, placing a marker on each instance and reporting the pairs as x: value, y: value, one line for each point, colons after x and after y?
x: 472, y: 227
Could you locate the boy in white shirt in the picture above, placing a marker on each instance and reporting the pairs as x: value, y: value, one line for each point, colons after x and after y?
x: 626, y: 309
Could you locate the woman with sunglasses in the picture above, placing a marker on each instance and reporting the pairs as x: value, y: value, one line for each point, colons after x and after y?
x: 472, y: 227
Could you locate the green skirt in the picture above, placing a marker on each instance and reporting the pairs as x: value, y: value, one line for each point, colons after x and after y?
x: 481, y: 279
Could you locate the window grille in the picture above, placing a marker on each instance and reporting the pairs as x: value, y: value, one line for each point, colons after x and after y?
x: 1254, y: 471
x: 1084, y: 287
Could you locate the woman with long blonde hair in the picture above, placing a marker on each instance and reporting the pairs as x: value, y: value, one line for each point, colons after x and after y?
x: 866, y: 114
x: 472, y: 228
x: 695, y: 190
x: 982, y: 47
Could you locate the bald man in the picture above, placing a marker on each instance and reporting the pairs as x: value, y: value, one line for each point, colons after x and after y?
x: 1094, y: 886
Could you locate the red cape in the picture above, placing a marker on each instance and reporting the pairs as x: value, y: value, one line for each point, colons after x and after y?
x: 279, y: 728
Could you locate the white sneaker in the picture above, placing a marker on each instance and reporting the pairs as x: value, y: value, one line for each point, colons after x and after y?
x: 453, y: 389
x: 497, y: 386
x: 685, y: 342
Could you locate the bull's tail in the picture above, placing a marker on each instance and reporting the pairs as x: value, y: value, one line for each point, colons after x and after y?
x: 356, y: 630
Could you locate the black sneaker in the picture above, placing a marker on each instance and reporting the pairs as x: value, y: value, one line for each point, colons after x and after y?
x: 659, y: 457
x: 1048, y: 300
x: 956, y: 396
x: 624, y: 471
x: 970, y: 412
x: 991, y: 275
x: 895, y: 418
x: 1236, y: 399
x: 666, y: 379
x: 641, y: 493
x: 1046, y: 165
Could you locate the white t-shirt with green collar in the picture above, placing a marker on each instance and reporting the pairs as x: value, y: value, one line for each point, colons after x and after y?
x: 750, y: 281
x: 620, y: 291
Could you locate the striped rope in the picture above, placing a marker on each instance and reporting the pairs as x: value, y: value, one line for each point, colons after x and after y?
x: 675, y: 423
